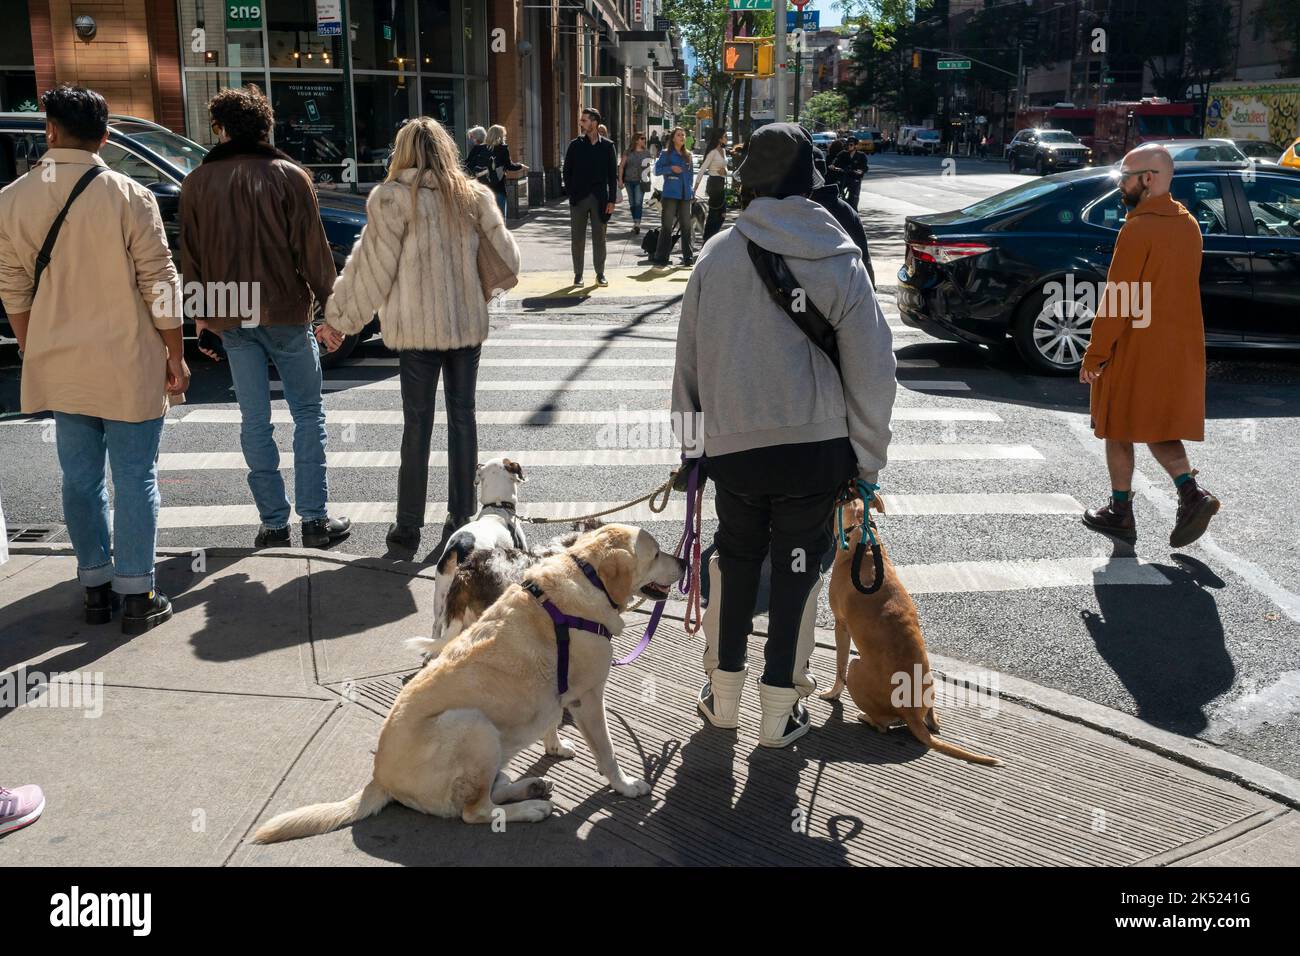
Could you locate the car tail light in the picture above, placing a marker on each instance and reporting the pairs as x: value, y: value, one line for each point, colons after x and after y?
x: 946, y: 252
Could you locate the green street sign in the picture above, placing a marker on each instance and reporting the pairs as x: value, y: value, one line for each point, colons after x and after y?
x: 749, y: 4
x: 954, y: 64
x: 243, y: 16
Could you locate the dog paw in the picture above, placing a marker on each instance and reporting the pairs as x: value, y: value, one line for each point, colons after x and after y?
x: 539, y: 788
x: 561, y: 747
x: 632, y: 787
x: 535, y: 811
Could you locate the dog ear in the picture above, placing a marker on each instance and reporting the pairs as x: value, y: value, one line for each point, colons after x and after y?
x: 878, y: 502
x: 614, y: 559
x: 478, y: 475
x: 515, y: 469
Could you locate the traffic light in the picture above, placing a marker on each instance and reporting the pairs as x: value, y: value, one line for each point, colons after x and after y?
x: 738, y: 56
x: 766, y: 59
x: 916, y: 59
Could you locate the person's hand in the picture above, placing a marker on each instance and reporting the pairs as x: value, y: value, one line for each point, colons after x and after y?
x: 609, y: 209
x: 201, y: 326
x: 677, y: 169
x: 1087, y: 377
x: 178, y: 376
x: 329, y: 337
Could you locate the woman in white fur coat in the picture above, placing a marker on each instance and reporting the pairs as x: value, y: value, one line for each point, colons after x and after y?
x: 415, y: 264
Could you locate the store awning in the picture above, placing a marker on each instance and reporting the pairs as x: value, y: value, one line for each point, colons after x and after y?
x: 644, y: 49
x: 603, y: 81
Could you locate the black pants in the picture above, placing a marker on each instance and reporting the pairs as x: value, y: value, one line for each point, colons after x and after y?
x: 774, y: 503
x: 716, y: 188
x: 419, y: 371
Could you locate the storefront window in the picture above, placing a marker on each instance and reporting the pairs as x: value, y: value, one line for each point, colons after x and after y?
x: 17, y: 74
x: 292, y: 40
x: 309, y: 123
x: 441, y: 98
x: 440, y: 37
x: 211, y: 37
x: 381, y: 103
x: 383, y: 38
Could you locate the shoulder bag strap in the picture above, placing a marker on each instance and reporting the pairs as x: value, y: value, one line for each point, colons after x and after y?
x: 51, y: 237
x: 781, y: 284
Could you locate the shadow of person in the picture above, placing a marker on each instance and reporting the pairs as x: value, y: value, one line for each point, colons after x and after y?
x: 1166, y: 644
x: 245, y: 618
x: 54, y: 618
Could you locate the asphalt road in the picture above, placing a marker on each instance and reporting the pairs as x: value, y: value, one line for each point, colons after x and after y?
x: 990, y: 468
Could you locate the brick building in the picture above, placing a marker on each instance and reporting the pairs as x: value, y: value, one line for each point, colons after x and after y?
x: 529, y: 65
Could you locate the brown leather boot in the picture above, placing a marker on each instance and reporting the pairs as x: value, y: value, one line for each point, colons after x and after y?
x: 1196, y: 507
x: 1115, y: 518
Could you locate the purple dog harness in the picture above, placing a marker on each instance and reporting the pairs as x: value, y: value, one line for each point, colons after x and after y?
x: 564, y: 621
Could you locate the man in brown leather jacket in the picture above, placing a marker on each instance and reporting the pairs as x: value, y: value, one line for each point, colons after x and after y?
x: 253, y: 256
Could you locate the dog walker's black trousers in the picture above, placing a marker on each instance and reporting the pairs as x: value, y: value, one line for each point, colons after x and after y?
x: 777, y: 502
x: 418, y: 371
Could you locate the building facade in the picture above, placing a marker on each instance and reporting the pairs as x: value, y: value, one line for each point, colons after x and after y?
x: 529, y: 65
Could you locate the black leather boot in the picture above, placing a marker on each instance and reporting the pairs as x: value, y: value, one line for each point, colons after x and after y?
x: 101, y: 604
x: 1115, y: 518
x: 1196, y: 507
x: 322, y: 532
x: 144, y: 612
x: 272, y: 538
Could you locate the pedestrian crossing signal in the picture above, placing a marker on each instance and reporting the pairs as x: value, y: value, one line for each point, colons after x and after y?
x: 738, y: 56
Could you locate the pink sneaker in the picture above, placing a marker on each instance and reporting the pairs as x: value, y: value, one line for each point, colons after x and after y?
x: 20, y: 807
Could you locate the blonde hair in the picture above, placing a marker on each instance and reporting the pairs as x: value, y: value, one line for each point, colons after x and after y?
x: 425, y: 146
x: 496, y: 135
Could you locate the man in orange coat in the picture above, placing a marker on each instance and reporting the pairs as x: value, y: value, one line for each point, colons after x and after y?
x: 1146, y: 360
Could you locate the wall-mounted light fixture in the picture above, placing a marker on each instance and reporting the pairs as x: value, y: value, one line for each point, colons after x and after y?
x: 85, y: 27
x: 525, y: 47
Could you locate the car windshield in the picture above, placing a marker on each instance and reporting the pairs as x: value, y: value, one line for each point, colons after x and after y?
x: 183, y: 153
x: 1057, y: 137
x: 1206, y: 153
x: 1166, y: 126
x: 1256, y: 147
x: 1016, y: 196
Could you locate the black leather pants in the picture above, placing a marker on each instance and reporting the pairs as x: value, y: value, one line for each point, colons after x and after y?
x: 419, y: 377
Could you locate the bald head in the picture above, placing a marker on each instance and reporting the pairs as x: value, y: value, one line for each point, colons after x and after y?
x: 1158, y: 164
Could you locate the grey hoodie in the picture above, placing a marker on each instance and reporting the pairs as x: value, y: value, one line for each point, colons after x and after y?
x: 754, y: 376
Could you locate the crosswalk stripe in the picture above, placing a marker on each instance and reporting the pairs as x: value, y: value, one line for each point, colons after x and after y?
x: 924, y: 385
x: 496, y: 342
x: 496, y: 385
x: 373, y: 512
x: 623, y: 329
x: 579, y: 361
x: 968, y: 576
x: 594, y: 458
x: 630, y: 417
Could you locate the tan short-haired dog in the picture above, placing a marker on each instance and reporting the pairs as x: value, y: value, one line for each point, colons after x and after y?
x: 494, y: 691
x: 886, y: 630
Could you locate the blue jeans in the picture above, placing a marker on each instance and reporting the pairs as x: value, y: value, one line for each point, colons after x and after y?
x: 635, y: 191
x: 131, y: 448
x: 293, y: 350
x: 501, y: 202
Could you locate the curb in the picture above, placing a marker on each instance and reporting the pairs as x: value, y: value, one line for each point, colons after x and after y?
x: 1189, y: 752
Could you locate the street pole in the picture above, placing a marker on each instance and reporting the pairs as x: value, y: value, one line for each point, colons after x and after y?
x: 1020, y: 69
x: 798, y: 80
x: 778, y: 54
x: 349, y: 132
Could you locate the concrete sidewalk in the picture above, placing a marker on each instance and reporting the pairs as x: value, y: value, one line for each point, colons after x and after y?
x: 267, y: 689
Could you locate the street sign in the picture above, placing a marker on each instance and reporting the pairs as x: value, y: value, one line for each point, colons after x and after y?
x: 954, y: 64
x: 812, y: 20
x: 749, y: 4
x: 243, y: 16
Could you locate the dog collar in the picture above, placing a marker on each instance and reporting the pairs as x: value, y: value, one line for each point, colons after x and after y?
x: 503, y: 505
x: 594, y: 578
x: 562, y: 623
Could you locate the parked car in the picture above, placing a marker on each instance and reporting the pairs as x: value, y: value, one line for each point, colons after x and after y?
x: 1258, y: 150
x: 823, y: 140
x: 868, y: 139
x: 159, y: 160
x: 920, y: 142
x: 981, y: 274
x: 1203, y: 150
x: 1046, y: 151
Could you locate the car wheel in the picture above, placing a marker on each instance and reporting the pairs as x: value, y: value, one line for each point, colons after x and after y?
x: 1051, y: 333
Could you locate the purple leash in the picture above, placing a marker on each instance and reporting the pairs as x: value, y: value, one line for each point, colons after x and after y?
x: 690, y: 537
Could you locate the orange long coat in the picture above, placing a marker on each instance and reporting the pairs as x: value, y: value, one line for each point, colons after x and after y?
x: 1153, y: 385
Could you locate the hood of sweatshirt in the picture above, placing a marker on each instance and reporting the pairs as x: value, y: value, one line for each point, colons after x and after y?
x: 796, y: 227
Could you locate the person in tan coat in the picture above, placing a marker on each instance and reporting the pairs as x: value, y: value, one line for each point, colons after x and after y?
x: 1146, y: 359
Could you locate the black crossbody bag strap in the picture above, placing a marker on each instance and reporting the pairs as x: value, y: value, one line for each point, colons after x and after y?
x: 782, y: 285
x: 43, y: 257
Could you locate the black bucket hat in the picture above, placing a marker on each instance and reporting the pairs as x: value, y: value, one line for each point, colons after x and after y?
x: 779, y: 161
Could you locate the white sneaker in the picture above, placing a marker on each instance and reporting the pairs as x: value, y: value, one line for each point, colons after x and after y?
x: 720, y: 698
x: 785, y: 718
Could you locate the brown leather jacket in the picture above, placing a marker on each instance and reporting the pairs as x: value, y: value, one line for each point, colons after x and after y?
x: 249, y: 215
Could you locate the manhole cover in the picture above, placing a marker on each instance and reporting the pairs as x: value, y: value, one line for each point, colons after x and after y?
x: 29, y: 535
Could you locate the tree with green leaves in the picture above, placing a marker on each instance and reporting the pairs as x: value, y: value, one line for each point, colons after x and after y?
x: 828, y: 110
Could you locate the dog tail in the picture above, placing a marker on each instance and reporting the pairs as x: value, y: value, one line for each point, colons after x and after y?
x: 324, y: 817
x: 915, y: 723
x: 429, y: 647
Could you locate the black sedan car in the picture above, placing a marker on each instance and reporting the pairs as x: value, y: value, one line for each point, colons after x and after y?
x: 1021, y: 264
x: 159, y: 159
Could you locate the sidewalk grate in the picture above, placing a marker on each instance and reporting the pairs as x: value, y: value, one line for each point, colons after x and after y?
x: 377, y: 694
x: 33, y: 535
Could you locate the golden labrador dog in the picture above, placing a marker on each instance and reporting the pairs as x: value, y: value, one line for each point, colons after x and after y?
x: 886, y: 630
x: 494, y: 691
